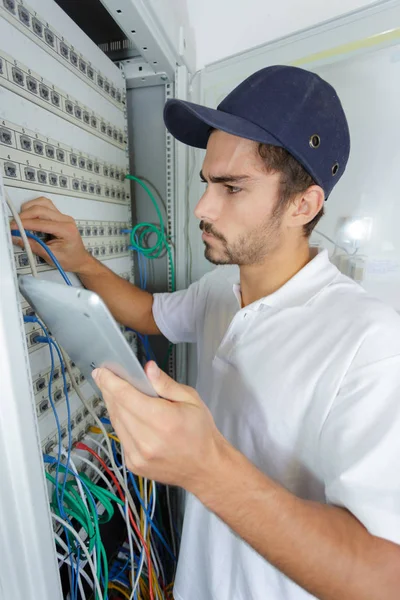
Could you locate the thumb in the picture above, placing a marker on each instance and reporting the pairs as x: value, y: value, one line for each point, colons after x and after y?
x: 168, y: 388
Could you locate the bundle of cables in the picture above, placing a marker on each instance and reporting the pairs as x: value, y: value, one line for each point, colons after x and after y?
x: 139, y: 243
x: 81, y: 506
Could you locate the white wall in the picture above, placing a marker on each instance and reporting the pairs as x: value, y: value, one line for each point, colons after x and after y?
x: 225, y: 27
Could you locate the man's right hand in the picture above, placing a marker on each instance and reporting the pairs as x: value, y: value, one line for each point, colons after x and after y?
x: 40, y: 215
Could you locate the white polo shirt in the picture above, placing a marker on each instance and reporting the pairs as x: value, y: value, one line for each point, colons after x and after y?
x: 305, y: 383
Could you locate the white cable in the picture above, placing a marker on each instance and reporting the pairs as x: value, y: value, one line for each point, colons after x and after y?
x: 99, y: 445
x: 128, y: 524
x: 64, y: 546
x: 157, y: 557
x: 82, y: 573
x: 85, y: 551
x: 28, y: 249
x: 83, y: 496
x: 124, y: 486
x: 159, y: 563
x: 95, y: 468
x: 171, y: 524
x: 140, y: 569
x: 135, y: 582
x: 147, y: 525
x: 138, y: 576
x: 110, y: 487
x: 77, y: 479
x: 146, y: 504
x: 66, y: 559
x: 104, y: 432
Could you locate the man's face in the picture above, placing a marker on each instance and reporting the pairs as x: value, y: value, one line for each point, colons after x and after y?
x: 238, y: 212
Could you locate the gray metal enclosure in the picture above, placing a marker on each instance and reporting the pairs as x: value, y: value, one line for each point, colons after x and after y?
x: 148, y: 162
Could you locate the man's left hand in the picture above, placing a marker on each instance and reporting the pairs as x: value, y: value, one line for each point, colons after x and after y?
x: 171, y: 439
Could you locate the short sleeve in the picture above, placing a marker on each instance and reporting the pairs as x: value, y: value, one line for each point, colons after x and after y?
x: 176, y: 314
x: 360, y: 447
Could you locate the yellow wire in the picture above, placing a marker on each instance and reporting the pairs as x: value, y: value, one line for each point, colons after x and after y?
x: 94, y: 429
x: 118, y: 588
x: 145, y: 589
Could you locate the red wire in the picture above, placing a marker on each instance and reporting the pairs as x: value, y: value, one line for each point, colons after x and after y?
x: 82, y: 446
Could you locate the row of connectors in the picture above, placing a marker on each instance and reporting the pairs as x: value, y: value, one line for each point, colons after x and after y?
x: 64, y: 184
x: 108, y: 250
x: 102, y: 228
x: 37, y: 89
x: 49, y: 178
x: 40, y: 388
x: 43, y: 33
x: 81, y: 421
x: 104, y: 251
x: 29, y: 142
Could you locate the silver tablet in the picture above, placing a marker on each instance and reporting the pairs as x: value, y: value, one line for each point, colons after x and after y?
x: 82, y: 324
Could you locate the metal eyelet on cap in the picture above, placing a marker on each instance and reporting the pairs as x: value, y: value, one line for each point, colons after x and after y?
x: 315, y: 141
x: 335, y: 168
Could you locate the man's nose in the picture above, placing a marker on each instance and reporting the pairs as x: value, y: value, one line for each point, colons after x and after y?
x: 209, y: 206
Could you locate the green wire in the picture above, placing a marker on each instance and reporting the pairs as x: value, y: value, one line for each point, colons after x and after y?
x: 77, y: 509
x: 89, y: 522
x: 98, y: 492
x: 154, y: 251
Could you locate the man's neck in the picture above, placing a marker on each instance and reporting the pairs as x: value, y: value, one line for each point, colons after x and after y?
x: 259, y: 281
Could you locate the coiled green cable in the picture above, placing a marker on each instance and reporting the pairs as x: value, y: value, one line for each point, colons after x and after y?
x: 155, y: 250
x: 76, y: 508
x: 162, y: 241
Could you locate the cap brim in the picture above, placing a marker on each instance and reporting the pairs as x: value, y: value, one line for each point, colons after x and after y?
x: 191, y: 123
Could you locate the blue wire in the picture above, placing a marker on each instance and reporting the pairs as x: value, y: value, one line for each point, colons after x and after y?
x: 51, y: 460
x: 16, y: 233
x: 50, y: 392
x: 78, y: 557
x: 150, y: 520
x: 123, y: 569
x: 68, y: 416
x: 60, y: 499
x: 142, y: 264
x: 69, y: 428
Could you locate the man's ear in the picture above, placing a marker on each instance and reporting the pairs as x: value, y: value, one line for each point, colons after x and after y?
x: 305, y: 206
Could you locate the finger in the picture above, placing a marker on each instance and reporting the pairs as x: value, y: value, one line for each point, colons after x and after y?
x: 41, y: 212
x: 56, y: 228
x: 118, y: 393
x: 110, y: 383
x: 167, y: 388
x: 131, y: 445
x: 41, y: 201
x: 35, y: 247
x: 17, y: 241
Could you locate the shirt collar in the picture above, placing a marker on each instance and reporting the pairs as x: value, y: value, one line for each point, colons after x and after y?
x: 303, y: 286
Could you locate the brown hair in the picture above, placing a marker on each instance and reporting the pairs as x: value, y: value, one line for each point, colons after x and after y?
x: 294, y: 178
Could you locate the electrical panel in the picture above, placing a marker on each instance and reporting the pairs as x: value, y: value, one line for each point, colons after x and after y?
x: 63, y: 135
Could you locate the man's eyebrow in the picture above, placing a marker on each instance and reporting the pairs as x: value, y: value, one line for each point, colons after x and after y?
x: 225, y: 178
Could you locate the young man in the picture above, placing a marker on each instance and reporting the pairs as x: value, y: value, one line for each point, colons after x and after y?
x: 289, y: 448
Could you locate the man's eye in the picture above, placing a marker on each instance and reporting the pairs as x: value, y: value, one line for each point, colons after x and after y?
x: 232, y: 189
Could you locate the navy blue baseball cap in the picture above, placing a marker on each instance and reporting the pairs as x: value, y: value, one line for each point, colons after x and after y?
x: 279, y: 105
